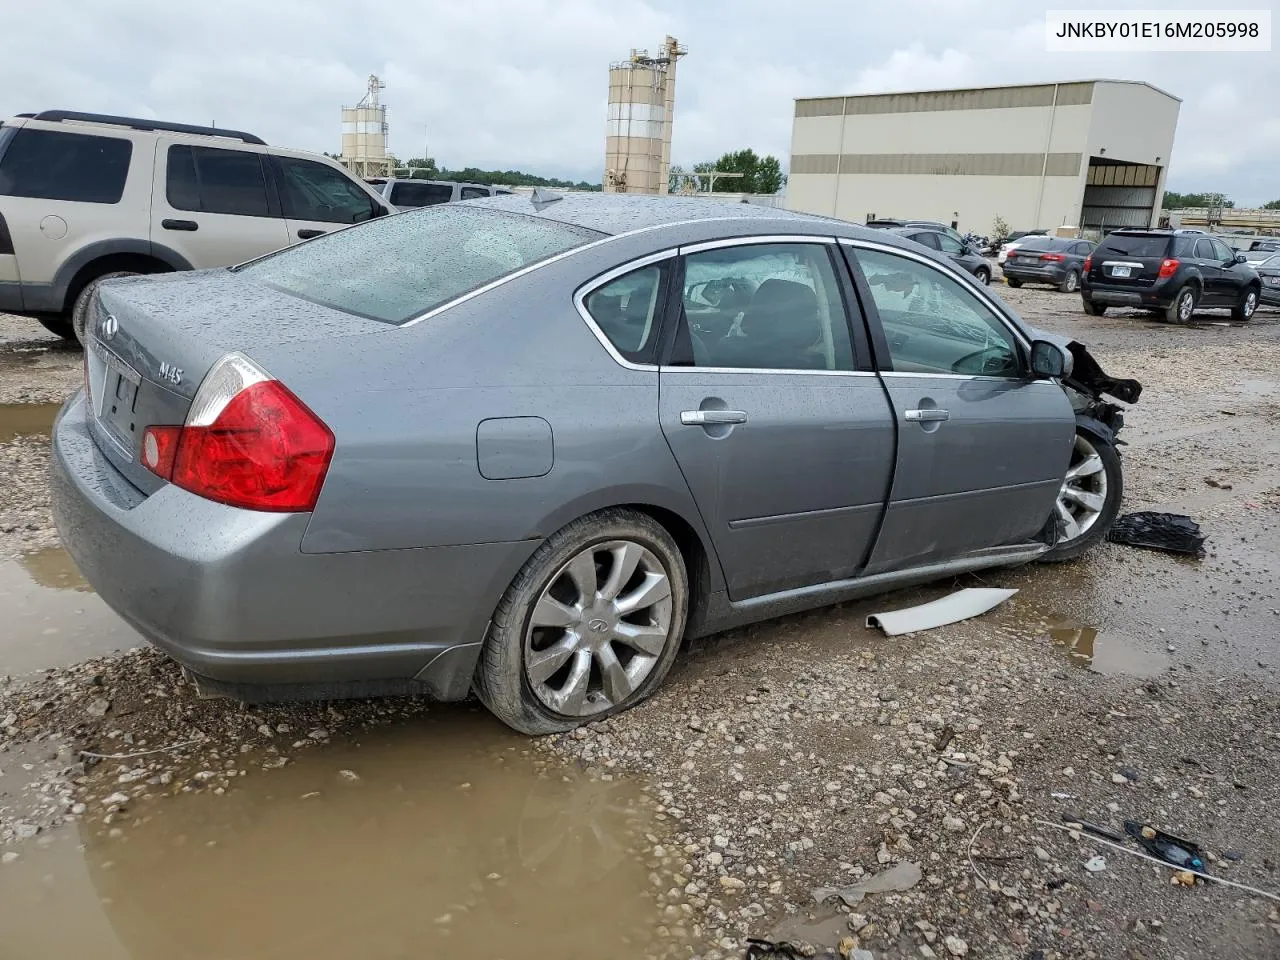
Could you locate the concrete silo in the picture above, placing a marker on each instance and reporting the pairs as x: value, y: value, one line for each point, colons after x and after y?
x: 642, y: 99
x: 364, y: 134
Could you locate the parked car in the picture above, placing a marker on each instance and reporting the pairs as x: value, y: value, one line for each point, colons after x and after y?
x: 964, y: 257
x: 1170, y: 273
x: 411, y: 194
x: 891, y: 224
x: 1260, y: 250
x: 533, y: 446
x: 1014, y: 240
x: 86, y: 196
x: 1055, y: 260
x: 1269, y: 274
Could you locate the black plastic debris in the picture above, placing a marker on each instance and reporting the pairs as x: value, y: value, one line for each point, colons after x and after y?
x: 1184, y: 854
x: 758, y: 949
x: 1170, y: 532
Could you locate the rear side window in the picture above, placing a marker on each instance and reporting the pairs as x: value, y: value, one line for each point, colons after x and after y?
x: 1131, y: 246
x: 626, y: 310
x: 210, y: 180
x: 315, y: 191
x: 52, y: 165
x: 396, y: 268
x: 1036, y: 243
x: 410, y: 194
x: 1183, y: 247
x: 472, y: 193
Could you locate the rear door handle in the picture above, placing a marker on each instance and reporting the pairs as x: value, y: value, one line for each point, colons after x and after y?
x: 189, y: 225
x: 308, y: 234
x: 707, y: 418
x: 926, y: 416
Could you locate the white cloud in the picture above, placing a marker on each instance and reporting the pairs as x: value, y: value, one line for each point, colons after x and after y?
x: 501, y: 83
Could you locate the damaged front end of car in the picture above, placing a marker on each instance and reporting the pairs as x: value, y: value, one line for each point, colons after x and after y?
x: 1087, y: 385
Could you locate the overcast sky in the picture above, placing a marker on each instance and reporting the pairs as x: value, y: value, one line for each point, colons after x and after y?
x: 523, y: 83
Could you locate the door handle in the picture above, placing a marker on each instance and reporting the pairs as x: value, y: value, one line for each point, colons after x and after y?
x: 189, y: 225
x: 926, y: 416
x: 308, y: 234
x: 707, y: 418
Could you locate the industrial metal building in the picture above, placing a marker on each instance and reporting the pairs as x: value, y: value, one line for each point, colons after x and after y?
x: 1091, y: 154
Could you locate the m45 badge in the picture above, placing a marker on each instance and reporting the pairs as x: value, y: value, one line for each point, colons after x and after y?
x: 170, y: 374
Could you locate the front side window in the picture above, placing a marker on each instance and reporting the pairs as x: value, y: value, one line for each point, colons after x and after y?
x: 929, y: 240
x: 1222, y: 252
x: 948, y: 244
x: 933, y: 324
x: 1204, y: 250
x: 626, y: 311
x: 410, y: 194
x: 768, y: 306
x: 396, y: 268
x: 316, y: 191
x: 51, y: 165
x: 212, y: 180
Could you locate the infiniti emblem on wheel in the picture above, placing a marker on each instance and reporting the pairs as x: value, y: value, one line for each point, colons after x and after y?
x: 110, y: 326
x: 598, y: 626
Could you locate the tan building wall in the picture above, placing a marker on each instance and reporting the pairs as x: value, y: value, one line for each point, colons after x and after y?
x: 1020, y: 153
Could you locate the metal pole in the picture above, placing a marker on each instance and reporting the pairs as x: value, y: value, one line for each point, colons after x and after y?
x: 835, y: 200
x: 1044, y: 165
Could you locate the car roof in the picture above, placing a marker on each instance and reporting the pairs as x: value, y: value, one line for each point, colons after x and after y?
x: 616, y: 213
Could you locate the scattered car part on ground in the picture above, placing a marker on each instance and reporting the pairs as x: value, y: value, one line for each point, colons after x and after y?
x: 895, y: 879
x: 1170, y: 532
x: 1171, y: 273
x: 1058, y: 261
x: 1184, y: 854
x: 290, y: 408
x: 961, y: 605
x: 125, y: 196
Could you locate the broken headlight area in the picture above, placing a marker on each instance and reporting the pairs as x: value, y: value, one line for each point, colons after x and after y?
x: 1088, y: 384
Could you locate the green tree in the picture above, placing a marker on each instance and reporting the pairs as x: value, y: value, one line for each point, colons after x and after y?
x: 761, y: 175
x: 999, y: 230
x: 1182, y: 201
x: 769, y: 177
x: 1271, y: 205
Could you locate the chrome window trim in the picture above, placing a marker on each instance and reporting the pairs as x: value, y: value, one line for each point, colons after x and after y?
x: 960, y: 376
x: 974, y: 288
x: 759, y: 239
x: 769, y: 370
x: 563, y: 255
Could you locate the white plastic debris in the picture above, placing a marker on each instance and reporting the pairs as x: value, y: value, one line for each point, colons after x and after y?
x: 1096, y: 864
x: 960, y: 605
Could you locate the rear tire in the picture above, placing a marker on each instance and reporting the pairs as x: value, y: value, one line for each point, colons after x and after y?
x: 1183, y: 307
x: 572, y: 570
x: 1100, y: 477
x: 1013, y: 282
x: 60, y: 326
x: 1248, y: 305
x: 982, y: 275
x: 1094, y: 309
x: 1071, y: 282
x: 80, y: 312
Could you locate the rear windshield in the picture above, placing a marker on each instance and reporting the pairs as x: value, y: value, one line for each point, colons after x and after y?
x: 399, y: 267
x: 1041, y: 243
x: 1139, y: 246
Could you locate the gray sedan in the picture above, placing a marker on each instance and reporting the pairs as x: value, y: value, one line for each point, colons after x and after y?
x: 964, y: 257
x: 1055, y: 260
x: 527, y: 447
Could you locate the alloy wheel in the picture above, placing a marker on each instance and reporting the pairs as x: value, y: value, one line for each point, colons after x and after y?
x: 1250, y: 304
x: 1083, y: 494
x: 1186, y: 304
x: 598, y: 629
x: 1073, y: 282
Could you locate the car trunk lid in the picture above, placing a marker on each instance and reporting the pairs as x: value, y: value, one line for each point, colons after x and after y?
x: 150, y: 341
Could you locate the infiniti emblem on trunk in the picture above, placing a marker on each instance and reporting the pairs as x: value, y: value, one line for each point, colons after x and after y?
x: 110, y: 327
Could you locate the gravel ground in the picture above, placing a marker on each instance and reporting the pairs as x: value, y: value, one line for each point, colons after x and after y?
x: 811, y: 753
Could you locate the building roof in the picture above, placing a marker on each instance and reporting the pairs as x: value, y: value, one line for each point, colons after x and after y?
x: 616, y: 213
x: 999, y: 86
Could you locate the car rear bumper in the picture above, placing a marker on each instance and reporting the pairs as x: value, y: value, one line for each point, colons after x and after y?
x: 1159, y: 296
x: 1045, y: 274
x: 229, y: 594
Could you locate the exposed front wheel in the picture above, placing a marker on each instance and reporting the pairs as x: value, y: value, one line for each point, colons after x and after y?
x: 1089, y: 497
x: 589, y: 627
x: 1248, y: 303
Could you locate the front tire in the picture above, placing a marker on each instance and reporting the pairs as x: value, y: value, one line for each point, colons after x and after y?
x: 1089, y: 498
x: 589, y: 627
x: 1248, y: 305
x: 983, y: 276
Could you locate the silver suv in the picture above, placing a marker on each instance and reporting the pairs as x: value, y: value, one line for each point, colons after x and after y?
x: 410, y: 194
x: 85, y: 197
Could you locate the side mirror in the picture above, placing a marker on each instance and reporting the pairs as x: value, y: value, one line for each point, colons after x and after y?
x: 1050, y: 361
x: 1240, y: 258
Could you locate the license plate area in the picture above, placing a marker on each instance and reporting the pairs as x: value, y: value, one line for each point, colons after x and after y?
x: 1120, y: 271
x: 115, y: 396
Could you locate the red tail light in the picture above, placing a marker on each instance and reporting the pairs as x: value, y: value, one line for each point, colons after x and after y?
x: 248, y: 442
x: 1052, y: 256
x: 1168, y: 268
x: 1088, y: 263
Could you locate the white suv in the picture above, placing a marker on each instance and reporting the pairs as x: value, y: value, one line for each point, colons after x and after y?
x: 84, y: 197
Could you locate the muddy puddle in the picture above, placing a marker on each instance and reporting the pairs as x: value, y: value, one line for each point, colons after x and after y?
x: 1102, y: 652
x: 26, y: 419
x: 437, y: 838
x: 51, y: 616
